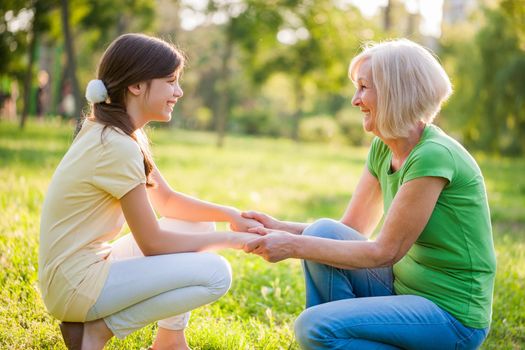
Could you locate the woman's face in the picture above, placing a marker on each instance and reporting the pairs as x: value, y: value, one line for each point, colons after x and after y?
x: 365, y: 96
x: 161, y: 98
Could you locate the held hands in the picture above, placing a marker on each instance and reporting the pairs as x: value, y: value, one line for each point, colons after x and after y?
x: 273, y: 245
x: 240, y: 223
x: 266, y: 220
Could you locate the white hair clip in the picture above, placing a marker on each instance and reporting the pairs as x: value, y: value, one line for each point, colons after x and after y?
x: 96, y: 91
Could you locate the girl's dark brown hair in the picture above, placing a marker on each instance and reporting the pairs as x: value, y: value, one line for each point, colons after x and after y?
x: 131, y: 59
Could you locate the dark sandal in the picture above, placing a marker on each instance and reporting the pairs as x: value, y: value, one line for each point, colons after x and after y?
x: 72, y: 333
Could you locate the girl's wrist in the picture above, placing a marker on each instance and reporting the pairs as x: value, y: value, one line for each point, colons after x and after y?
x: 230, y: 214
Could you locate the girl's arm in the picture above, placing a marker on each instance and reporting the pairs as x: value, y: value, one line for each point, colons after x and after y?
x: 172, y: 204
x: 153, y: 240
x: 408, y: 215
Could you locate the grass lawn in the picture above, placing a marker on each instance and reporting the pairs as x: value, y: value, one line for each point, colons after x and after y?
x: 291, y: 181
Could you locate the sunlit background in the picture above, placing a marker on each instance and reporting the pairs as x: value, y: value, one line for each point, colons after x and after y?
x: 273, y: 68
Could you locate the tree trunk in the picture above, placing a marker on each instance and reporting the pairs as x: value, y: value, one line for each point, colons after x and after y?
x: 29, y: 73
x: 224, y: 102
x: 387, y: 16
x: 296, y: 117
x: 71, y: 62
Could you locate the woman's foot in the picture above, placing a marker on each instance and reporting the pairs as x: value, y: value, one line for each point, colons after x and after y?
x: 72, y: 332
x: 96, y: 335
x: 170, y: 340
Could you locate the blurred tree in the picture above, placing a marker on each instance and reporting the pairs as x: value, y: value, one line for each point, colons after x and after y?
x: 40, y: 23
x: 311, y: 42
x: 26, y: 25
x: 71, y: 59
x: 489, y: 103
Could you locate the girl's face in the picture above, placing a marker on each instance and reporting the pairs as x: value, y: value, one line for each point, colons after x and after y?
x: 365, y: 96
x: 161, y: 98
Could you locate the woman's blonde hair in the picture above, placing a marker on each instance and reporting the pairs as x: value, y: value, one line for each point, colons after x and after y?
x: 410, y: 83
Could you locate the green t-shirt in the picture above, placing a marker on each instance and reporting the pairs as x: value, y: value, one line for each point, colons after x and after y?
x: 452, y: 263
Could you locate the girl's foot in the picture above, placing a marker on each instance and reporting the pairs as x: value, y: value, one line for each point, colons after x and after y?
x: 96, y: 335
x: 170, y: 340
x: 72, y: 333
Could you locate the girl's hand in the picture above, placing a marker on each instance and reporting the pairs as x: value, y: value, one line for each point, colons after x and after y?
x: 242, y: 224
x: 264, y: 219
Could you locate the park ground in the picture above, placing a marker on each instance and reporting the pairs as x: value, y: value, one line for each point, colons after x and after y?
x: 293, y: 181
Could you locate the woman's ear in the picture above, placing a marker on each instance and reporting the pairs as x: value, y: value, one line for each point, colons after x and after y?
x: 136, y: 89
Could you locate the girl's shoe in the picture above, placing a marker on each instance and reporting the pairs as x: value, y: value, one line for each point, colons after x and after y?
x: 72, y: 333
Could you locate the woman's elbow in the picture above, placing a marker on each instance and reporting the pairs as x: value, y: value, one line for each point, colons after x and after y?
x: 387, y: 256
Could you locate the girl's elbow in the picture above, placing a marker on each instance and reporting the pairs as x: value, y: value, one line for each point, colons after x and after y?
x: 148, y: 250
x: 148, y: 246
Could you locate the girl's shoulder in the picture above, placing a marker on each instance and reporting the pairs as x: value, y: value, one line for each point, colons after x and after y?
x: 110, y: 141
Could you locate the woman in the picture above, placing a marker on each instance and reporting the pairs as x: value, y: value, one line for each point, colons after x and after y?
x: 108, y: 174
x: 426, y: 281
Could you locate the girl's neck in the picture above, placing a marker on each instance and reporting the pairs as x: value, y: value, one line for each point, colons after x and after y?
x: 135, y: 113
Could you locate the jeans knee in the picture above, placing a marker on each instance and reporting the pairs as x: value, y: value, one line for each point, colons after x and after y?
x: 324, y: 228
x: 221, y: 279
x: 306, y: 329
x: 332, y: 229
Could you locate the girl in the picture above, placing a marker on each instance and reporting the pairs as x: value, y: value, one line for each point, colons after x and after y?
x: 99, y: 290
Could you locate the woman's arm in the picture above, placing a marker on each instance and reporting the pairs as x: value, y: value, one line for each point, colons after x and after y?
x: 366, y: 206
x: 153, y: 240
x: 362, y: 214
x: 172, y: 204
x: 408, y: 215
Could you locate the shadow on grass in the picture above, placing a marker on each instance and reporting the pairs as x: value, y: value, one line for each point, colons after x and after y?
x: 29, y: 157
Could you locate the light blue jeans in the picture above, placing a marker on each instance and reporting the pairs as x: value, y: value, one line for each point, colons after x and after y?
x: 358, y: 309
x: 140, y: 290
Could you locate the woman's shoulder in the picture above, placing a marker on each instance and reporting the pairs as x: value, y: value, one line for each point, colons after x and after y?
x: 439, y: 148
x: 436, y: 138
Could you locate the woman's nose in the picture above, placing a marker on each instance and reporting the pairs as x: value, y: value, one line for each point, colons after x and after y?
x: 356, y: 99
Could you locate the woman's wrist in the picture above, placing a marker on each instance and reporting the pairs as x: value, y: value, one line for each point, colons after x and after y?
x: 292, y: 227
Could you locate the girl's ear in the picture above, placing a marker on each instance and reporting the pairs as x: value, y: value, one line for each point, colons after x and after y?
x: 136, y: 89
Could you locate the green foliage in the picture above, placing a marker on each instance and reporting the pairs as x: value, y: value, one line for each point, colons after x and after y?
x: 489, y: 103
x: 291, y: 181
x: 318, y: 129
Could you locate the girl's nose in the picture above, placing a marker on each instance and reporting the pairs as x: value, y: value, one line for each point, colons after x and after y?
x: 177, y: 92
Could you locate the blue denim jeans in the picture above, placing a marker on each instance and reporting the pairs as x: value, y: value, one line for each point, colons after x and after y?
x: 358, y: 309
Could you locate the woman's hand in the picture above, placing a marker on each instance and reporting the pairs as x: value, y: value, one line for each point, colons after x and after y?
x: 273, y: 246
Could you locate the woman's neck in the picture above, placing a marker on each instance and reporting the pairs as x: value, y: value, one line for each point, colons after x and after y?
x: 401, y: 147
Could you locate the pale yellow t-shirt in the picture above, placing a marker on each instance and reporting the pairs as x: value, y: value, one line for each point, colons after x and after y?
x: 81, y: 213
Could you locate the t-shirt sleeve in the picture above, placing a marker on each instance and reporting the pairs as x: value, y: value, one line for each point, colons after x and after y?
x: 432, y: 159
x: 371, y: 160
x: 120, y: 167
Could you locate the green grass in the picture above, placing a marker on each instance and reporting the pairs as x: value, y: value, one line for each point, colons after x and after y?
x: 292, y: 181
